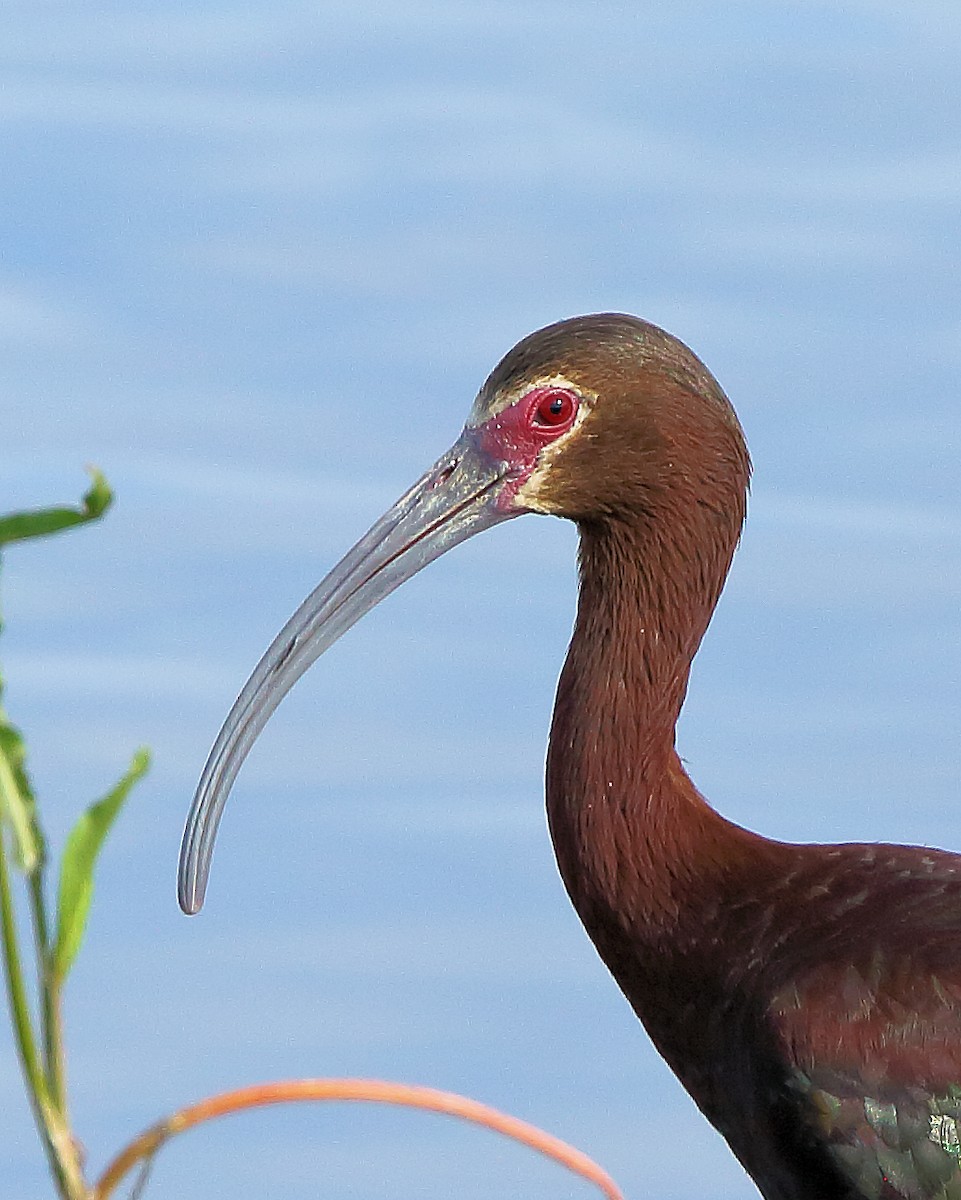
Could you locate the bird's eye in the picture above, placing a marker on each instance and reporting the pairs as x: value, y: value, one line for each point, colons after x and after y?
x: 553, y: 409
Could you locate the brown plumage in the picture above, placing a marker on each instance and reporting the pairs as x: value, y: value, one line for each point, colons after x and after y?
x: 808, y: 997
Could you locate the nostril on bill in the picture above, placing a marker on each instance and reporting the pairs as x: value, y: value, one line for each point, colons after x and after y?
x: 445, y: 472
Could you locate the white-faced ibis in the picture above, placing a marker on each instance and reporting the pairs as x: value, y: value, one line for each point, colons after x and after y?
x: 808, y: 997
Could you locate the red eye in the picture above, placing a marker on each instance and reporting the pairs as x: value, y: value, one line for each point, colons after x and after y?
x: 554, y: 408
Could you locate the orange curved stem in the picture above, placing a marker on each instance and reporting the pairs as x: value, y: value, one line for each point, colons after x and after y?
x: 149, y: 1142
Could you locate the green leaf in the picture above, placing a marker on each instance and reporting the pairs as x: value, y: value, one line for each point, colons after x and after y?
x: 16, y: 800
x: 17, y: 527
x: 77, y: 865
x: 17, y: 804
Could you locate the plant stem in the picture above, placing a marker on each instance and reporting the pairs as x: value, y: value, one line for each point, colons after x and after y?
x: 51, y: 1015
x: 143, y: 1148
x: 54, y: 1133
x: 19, y: 1008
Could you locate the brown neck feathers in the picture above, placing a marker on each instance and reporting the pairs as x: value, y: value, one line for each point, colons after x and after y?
x: 636, y: 844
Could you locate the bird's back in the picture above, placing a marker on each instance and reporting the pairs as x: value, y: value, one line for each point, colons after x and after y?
x: 835, y: 1018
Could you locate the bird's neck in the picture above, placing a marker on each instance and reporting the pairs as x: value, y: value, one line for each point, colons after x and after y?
x: 638, y: 848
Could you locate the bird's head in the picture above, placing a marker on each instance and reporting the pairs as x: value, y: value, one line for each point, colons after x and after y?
x: 604, y: 416
x: 599, y: 419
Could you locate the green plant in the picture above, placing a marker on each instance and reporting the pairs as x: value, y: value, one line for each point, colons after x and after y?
x: 38, y: 1028
x: 40, y: 1042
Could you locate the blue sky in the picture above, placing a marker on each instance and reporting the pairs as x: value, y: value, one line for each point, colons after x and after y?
x: 255, y: 262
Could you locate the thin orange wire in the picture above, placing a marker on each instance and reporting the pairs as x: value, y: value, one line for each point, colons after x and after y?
x: 373, y: 1090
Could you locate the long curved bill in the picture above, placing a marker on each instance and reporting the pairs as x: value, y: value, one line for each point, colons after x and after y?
x: 455, y: 499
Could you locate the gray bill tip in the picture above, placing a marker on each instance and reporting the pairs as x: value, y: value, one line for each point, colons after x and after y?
x: 190, y: 897
x: 193, y: 873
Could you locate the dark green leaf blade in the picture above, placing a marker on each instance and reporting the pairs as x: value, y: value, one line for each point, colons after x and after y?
x: 78, y: 862
x: 17, y: 527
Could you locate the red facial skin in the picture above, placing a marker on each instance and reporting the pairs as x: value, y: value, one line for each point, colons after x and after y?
x: 518, y: 433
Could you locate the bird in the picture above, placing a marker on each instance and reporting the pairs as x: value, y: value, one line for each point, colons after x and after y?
x: 808, y: 997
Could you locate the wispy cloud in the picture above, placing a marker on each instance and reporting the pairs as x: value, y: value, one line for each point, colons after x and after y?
x: 31, y: 320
